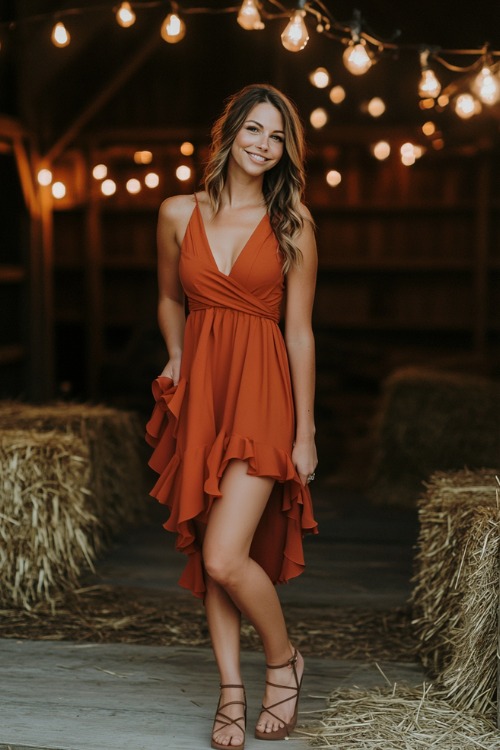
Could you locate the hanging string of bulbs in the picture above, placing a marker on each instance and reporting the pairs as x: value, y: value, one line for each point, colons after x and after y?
x: 362, y: 48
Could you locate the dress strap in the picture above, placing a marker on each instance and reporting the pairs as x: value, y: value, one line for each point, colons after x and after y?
x: 195, y: 198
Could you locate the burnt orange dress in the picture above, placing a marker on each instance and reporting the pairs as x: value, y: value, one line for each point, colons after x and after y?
x: 233, y: 400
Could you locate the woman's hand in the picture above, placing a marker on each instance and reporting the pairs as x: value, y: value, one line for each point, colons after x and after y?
x: 304, y: 457
x: 172, y: 370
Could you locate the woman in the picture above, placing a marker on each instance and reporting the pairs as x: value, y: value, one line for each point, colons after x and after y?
x: 233, y: 428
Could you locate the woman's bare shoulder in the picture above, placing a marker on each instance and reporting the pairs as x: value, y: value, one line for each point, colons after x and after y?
x: 177, y: 208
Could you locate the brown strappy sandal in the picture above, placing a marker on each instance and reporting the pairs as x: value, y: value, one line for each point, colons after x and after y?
x: 283, y: 732
x: 226, y: 721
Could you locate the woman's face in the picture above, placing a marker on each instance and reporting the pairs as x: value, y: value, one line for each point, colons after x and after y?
x: 259, y: 144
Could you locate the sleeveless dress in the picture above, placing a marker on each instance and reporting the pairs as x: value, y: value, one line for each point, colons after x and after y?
x: 233, y: 401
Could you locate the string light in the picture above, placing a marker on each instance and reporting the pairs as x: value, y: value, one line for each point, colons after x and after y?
x: 466, y: 106
x: 44, y: 177
x: 100, y: 171
x: 249, y: 16
x: 60, y: 35
x: 152, y: 180
x: 58, y: 190
x: 318, y: 118
x: 429, y: 85
x: 133, y: 186
x: 337, y: 94
x: 376, y: 106
x: 108, y: 187
x: 125, y: 16
x: 428, y: 128
x: 295, y: 36
x: 356, y: 58
x: 381, y: 150
x: 173, y: 28
x: 333, y: 178
x: 143, y: 157
x: 187, y: 148
x: 183, y: 173
x: 320, y: 78
x: 487, y: 86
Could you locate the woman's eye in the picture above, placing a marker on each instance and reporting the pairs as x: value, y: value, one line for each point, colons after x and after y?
x: 252, y: 128
x: 278, y: 138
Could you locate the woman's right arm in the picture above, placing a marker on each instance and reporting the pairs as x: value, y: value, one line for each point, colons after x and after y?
x: 171, y: 314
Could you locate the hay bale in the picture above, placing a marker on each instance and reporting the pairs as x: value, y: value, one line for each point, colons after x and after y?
x: 48, y: 528
x: 430, y: 421
x: 114, y: 438
x: 401, y: 717
x: 455, y: 593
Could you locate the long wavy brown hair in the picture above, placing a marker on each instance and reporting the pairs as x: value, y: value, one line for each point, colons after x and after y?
x: 283, y: 185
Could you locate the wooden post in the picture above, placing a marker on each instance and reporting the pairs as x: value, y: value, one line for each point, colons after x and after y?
x: 94, y: 316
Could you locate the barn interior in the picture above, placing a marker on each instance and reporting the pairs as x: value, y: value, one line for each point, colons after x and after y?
x: 98, y: 127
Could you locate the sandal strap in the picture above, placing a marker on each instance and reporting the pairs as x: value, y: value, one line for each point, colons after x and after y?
x: 232, y: 686
x: 292, y: 661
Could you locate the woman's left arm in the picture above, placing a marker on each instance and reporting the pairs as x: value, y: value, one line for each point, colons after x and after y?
x: 299, y: 339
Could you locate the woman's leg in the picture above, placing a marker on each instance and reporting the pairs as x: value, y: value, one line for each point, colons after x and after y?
x: 233, y: 520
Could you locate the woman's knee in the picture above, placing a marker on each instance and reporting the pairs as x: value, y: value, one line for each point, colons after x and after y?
x: 222, y: 568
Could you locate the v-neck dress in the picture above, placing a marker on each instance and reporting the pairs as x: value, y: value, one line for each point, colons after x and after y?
x: 233, y: 401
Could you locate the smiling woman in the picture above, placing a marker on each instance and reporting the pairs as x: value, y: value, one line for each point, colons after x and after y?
x: 233, y: 430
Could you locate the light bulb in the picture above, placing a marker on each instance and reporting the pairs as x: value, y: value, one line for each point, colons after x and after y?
x: 59, y: 190
x: 376, y: 106
x: 356, y: 59
x: 249, y: 16
x: 99, y: 172
x: 143, y: 157
x: 151, y: 180
x: 318, y: 117
x: 60, y: 35
x: 337, y: 94
x: 173, y: 29
x: 183, y: 173
x: 465, y: 106
x: 44, y: 177
x: 108, y: 187
x: 133, y: 186
x: 333, y: 178
x: 428, y: 128
x: 295, y: 36
x: 487, y: 86
x: 320, y: 78
x: 429, y: 84
x: 381, y: 150
x: 187, y: 148
x: 125, y: 16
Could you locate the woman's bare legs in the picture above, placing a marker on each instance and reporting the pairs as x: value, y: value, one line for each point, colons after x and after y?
x: 236, y: 583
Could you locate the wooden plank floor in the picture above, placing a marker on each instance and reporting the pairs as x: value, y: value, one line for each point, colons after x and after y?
x: 85, y: 696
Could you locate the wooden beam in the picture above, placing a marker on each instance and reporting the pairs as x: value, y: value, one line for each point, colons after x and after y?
x: 481, y: 252
x: 114, y: 85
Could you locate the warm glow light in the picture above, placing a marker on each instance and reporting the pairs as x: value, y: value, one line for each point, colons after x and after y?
x: 356, y: 59
x: 133, y: 186
x: 429, y: 84
x: 99, y: 172
x: 407, y: 149
x: 249, y: 16
x: 60, y: 35
x: 183, y: 173
x: 438, y: 144
x: 173, y: 29
x: 428, y: 128
x: 487, y: 86
x: 187, y: 148
x: 44, y: 177
x: 337, y: 94
x: 465, y: 106
x: 376, y: 106
x: 152, y: 180
x: 443, y: 100
x: 295, y: 36
x: 318, y: 117
x: 108, y: 187
x: 143, y: 157
x: 320, y: 78
x: 407, y: 159
x: 125, y: 16
x: 381, y: 150
x: 333, y: 178
x: 58, y: 190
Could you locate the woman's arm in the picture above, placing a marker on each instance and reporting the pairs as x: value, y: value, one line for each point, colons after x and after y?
x: 171, y: 315
x: 299, y: 339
